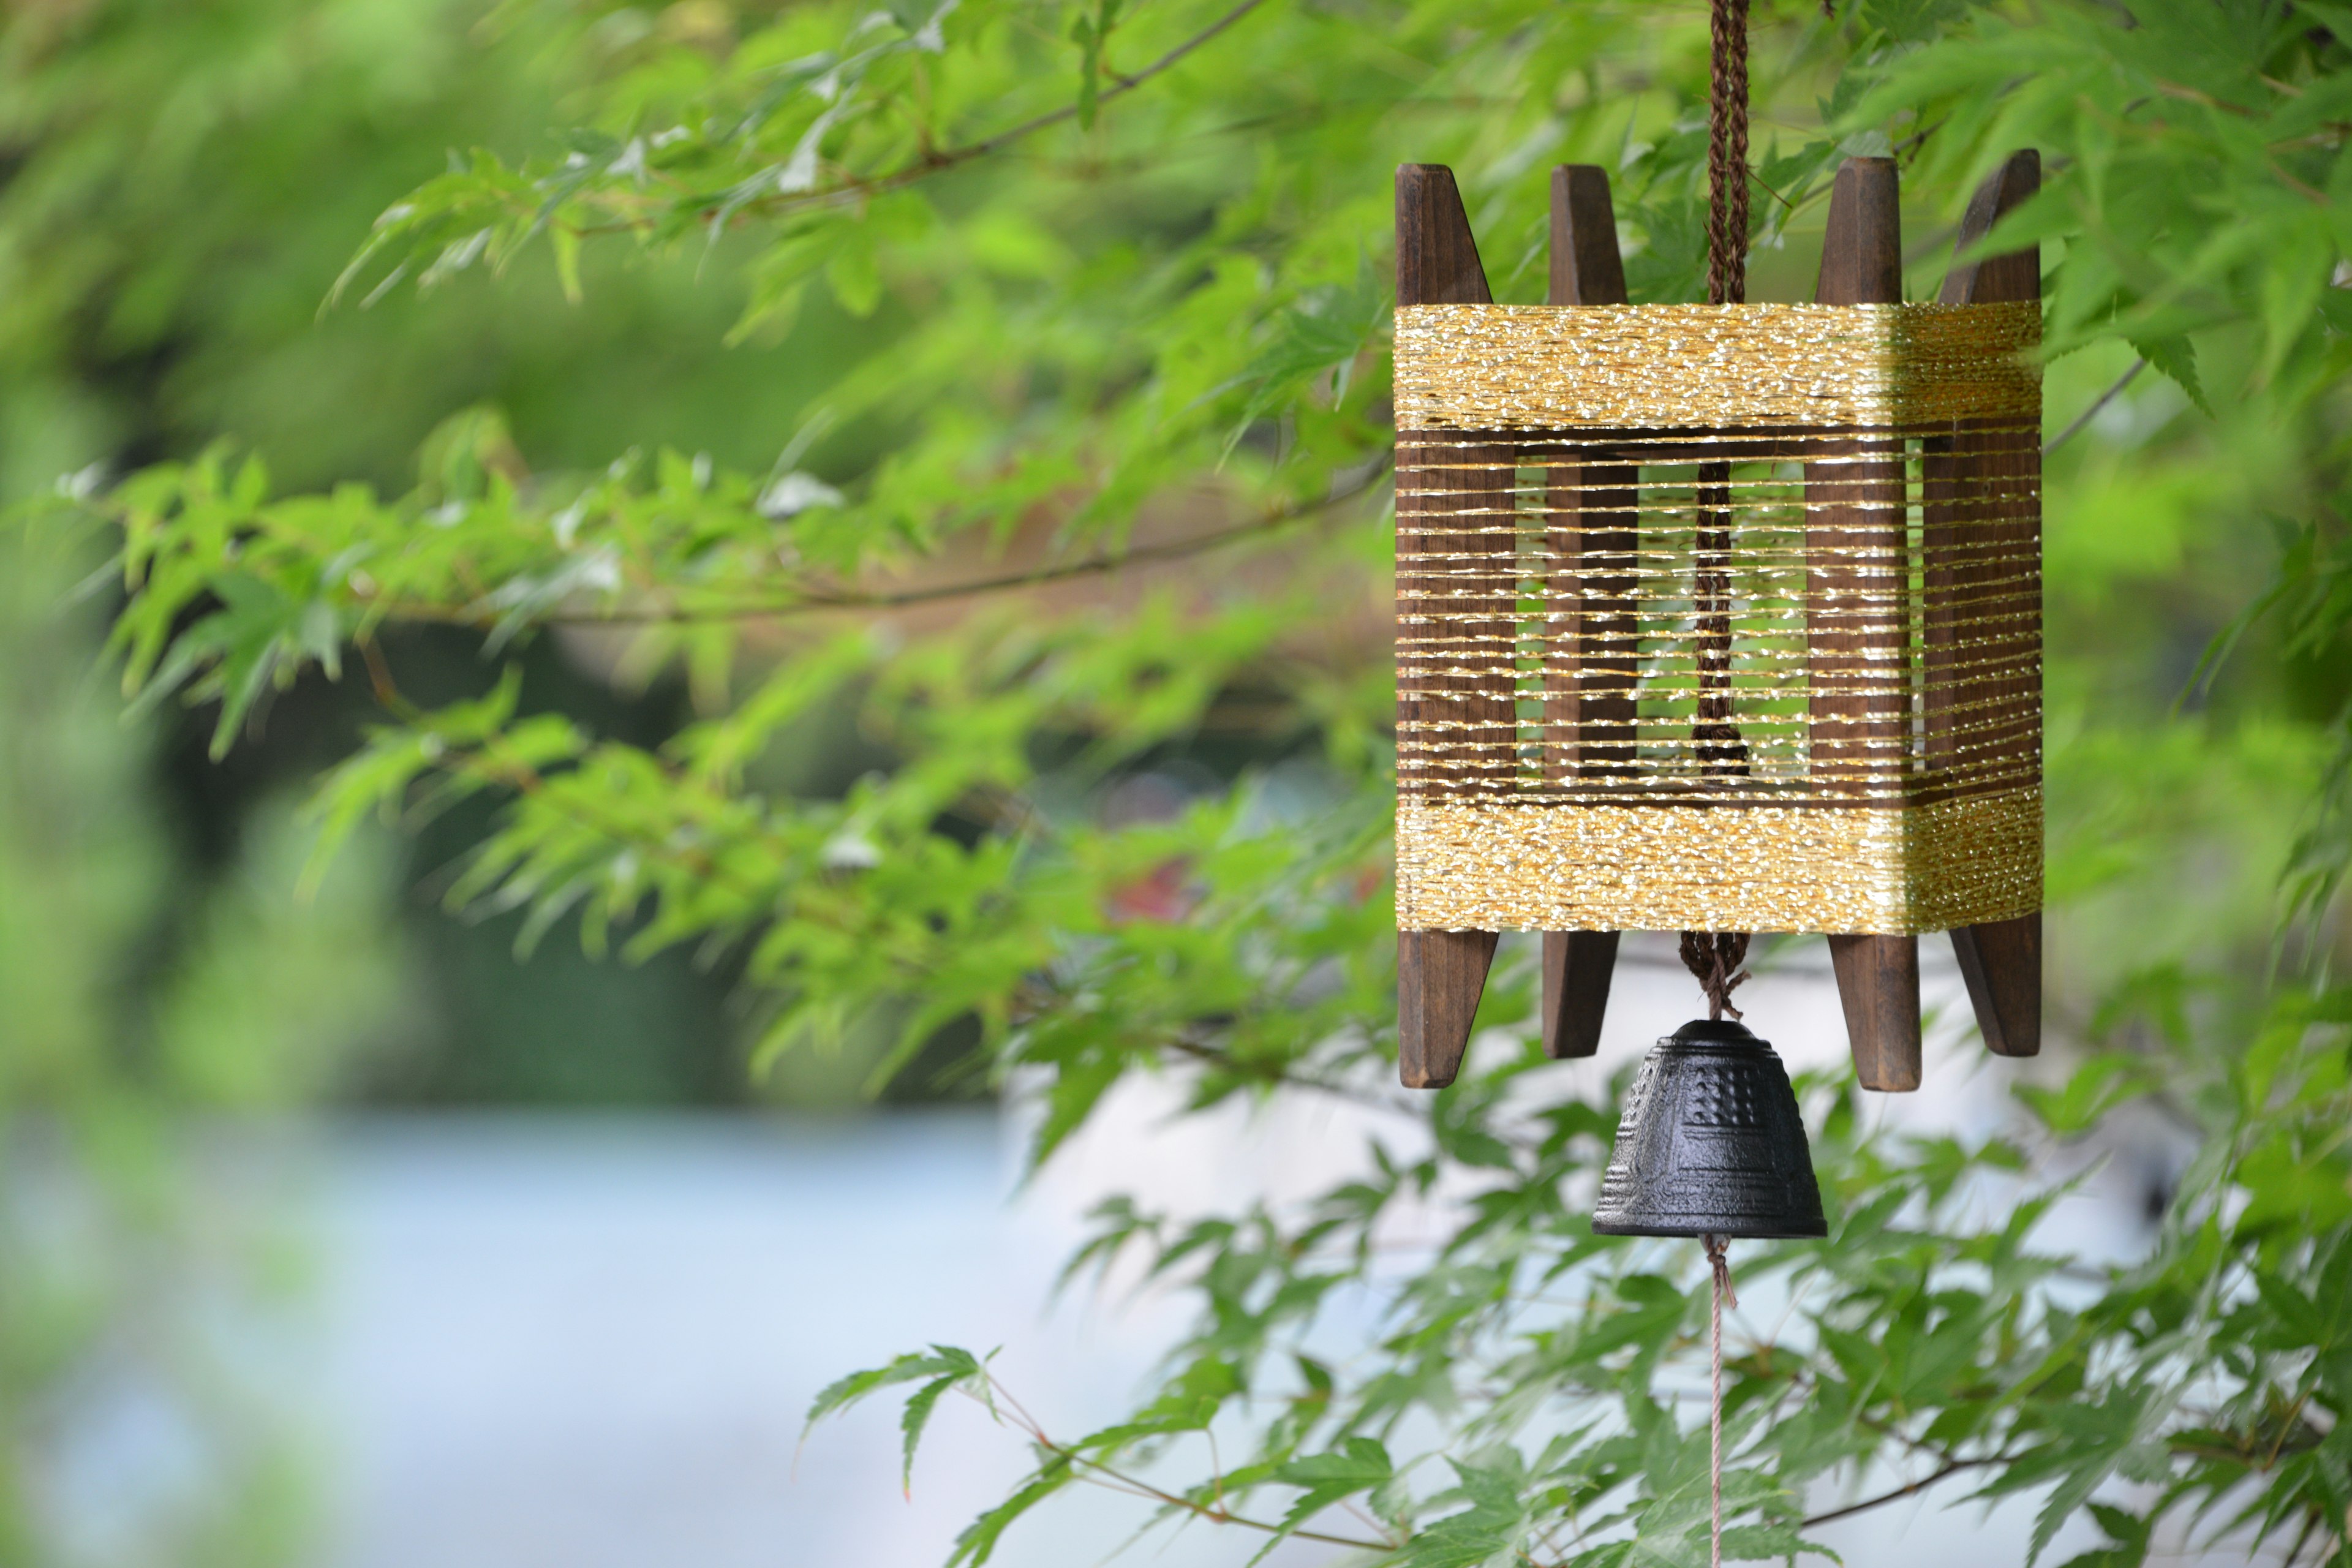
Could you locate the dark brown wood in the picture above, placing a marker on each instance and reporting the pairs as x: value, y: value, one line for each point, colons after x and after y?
x: 2001, y: 961
x: 1862, y: 253
x: 1985, y: 619
x: 1856, y: 633
x: 1878, y: 985
x: 1586, y: 268
x: 1440, y: 974
x: 1588, y: 680
x: 1577, y: 967
x: 1437, y: 258
x: 1448, y: 504
x: 2014, y: 274
x: 1589, y: 706
x: 1454, y: 502
x: 1857, y: 642
x: 1983, y: 627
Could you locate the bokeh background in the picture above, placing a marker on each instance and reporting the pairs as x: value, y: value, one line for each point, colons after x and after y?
x: 343, y: 1231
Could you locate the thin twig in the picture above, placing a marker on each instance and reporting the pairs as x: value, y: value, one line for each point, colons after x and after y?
x: 935, y: 162
x: 818, y: 603
x: 1913, y: 1489
x: 2091, y: 412
x: 1120, y: 1481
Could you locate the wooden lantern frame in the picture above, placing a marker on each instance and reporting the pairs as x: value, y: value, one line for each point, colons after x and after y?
x: 1451, y: 490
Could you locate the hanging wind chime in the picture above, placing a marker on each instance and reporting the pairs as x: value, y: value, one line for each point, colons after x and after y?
x: 1718, y: 619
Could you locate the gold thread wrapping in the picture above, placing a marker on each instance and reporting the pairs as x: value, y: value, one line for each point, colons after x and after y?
x: 1488, y: 865
x: 1527, y: 367
x: 1717, y: 617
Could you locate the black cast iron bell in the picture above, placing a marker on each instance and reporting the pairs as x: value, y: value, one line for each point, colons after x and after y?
x: 1711, y: 1143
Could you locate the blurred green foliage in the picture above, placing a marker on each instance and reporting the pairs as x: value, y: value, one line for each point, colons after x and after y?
x: 179, y: 185
x: 136, y: 1014
x: 1046, y: 462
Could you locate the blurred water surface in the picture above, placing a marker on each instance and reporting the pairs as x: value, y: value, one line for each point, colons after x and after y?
x: 589, y: 1342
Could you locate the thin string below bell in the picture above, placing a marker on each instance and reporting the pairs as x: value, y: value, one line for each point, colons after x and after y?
x: 1711, y: 1143
x: 1719, y: 1267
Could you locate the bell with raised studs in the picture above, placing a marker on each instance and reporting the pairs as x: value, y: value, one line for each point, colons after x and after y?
x: 1711, y: 1143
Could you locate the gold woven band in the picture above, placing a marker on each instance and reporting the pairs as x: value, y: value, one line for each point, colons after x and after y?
x: 1487, y: 865
x: 1546, y: 367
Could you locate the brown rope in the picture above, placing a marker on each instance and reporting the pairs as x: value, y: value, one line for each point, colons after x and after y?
x: 1714, y: 959
x: 1726, y: 156
x: 1716, y: 1245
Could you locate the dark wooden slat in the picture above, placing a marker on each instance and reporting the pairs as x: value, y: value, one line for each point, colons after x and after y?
x: 1586, y: 268
x: 1437, y: 259
x: 1878, y: 986
x: 1862, y: 253
x: 2000, y: 960
x: 1968, y: 553
x: 2013, y: 274
x: 1858, y: 643
x: 1857, y: 639
x: 1589, y: 707
x: 1441, y: 974
x: 1577, y: 969
x: 1589, y: 684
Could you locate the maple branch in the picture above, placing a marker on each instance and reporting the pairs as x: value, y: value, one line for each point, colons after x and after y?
x: 936, y: 161
x: 811, y: 602
x: 1120, y: 1480
x: 1912, y: 1488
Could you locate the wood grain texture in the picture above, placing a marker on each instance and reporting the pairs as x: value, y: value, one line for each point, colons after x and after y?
x: 1862, y: 253
x: 1586, y: 268
x: 1588, y: 693
x: 1983, y: 628
x: 2001, y: 961
x: 1457, y: 539
x: 1437, y: 258
x: 1589, y: 706
x: 2013, y: 274
x: 1989, y: 621
x: 1577, y: 968
x: 1441, y: 974
x: 1878, y: 986
x: 1856, y: 637
x: 1857, y: 641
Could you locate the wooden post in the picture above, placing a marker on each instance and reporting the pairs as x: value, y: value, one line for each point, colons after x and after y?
x: 2000, y: 657
x: 1452, y: 504
x: 1589, y: 680
x: 1858, y: 640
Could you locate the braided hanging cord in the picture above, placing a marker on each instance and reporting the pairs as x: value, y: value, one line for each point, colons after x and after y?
x: 1714, y: 957
x: 1726, y: 156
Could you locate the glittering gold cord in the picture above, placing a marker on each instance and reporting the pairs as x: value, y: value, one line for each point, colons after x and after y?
x: 1497, y: 865
x: 1680, y: 369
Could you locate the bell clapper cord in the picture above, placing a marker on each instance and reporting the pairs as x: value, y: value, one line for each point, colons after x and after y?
x: 1716, y: 1245
x: 1715, y: 957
